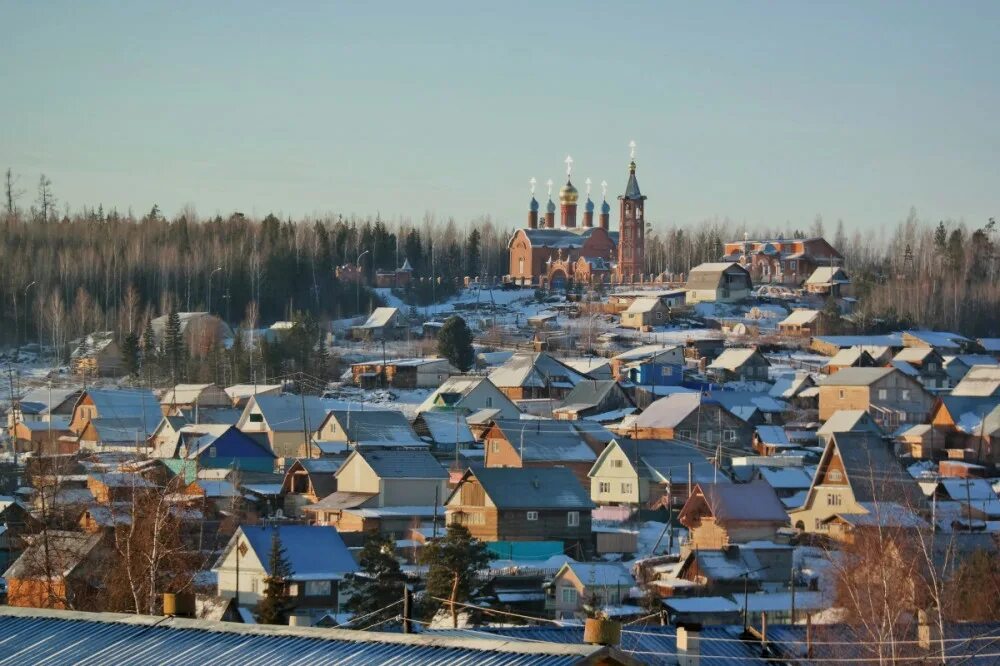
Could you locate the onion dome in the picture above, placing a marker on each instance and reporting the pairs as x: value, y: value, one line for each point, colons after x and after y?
x: 550, y: 207
x: 533, y: 206
x: 605, y: 207
x: 568, y: 193
x: 589, y: 206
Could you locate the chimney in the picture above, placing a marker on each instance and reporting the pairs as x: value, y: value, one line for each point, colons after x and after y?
x: 532, y: 219
x: 689, y: 644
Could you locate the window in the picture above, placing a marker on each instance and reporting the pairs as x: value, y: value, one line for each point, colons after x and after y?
x: 616, y: 463
x: 256, y: 418
x: 668, y: 371
x: 843, y: 394
x: 318, y: 588
x: 496, y: 447
x: 520, y: 266
x: 211, y: 452
x: 883, y: 394
x: 604, y: 487
x: 569, y: 595
x: 489, y: 401
x: 684, y: 434
x: 835, y: 476
x: 573, y: 519
x: 659, y: 316
x: 905, y: 394
x: 729, y: 435
x: 833, y: 499
x: 626, y: 487
x: 791, y: 264
x: 532, y: 515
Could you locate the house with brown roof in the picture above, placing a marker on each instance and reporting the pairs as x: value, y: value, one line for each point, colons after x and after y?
x: 307, y: 481
x: 720, y: 514
x: 891, y: 397
x: 511, y: 504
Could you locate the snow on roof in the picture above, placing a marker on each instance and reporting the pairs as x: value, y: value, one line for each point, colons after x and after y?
x: 314, y: 552
x: 856, y: 376
x: 380, y: 317
x: 240, y: 391
x: 444, y: 428
x: 377, y: 428
x: 849, y: 420
x: 537, y: 370
x: 969, y: 489
x: 593, y: 574
x: 403, y: 464
x: 788, y: 386
x: 980, y: 380
x: 139, y: 404
x: 669, y: 411
x: 828, y: 275
x: 800, y: 318
x: 733, y: 358
x: 533, y: 487
x: 701, y: 605
x: 641, y: 305
x: 772, y: 434
x: 786, y: 478
x: 939, y: 339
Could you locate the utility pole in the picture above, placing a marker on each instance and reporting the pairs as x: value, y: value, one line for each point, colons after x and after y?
x: 407, y: 609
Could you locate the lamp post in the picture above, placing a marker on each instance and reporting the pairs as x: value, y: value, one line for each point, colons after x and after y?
x: 17, y: 328
x: 357, y: 263
x: 209, y: 303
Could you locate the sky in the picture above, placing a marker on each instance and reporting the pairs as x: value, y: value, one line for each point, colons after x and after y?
x: 766, y: 113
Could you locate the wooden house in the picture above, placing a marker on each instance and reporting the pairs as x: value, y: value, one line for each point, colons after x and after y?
x: 596, y: 400
x: 527, y: 376
x: 718, y: 283
x: 888, y: 395
x: 739, y: 365
x: 801, y: 322
x: 720, y: 514
x: 97, y: 355
x: 510, y: 504
x: 828, y: 281
x: 289, y: 421
x: 307, y: 481
x: 539, y: 443
x: 692, y: 417
x: 644, y: 313
x: 470, y: 394
x: 357, y: 429
x: 384, y: 323
x: 578, y: 584
x: 50, y: 437
x: 407, y: 373
x: 191, y: 397
x: 72, y: 578
x: 925, y: 364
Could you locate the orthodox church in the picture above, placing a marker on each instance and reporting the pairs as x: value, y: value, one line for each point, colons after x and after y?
x: 545, y: 255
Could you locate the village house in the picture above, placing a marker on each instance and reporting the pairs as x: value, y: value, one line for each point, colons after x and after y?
x: 97, y: 355
x: 718, y: 283
x: 596, y: 400
x: 648, y: 473
x: 957, y: 366
x: 848, y: 420
x: 539, y: 443
x: 739, y: 365
x: 406, y: 373
x: 720, y: 514
x: 511, y: 504
x: 115, y: 418
x: 650, y: 365
x: 644, y: 313
x: 384, y: 323
x: 318, y: 559
x: 281, y: 418
x: 395, y: 279
x: 225, y: 447
x: 356, y: 429
x: 693, y: 417
x: 444, y: 430
x: 829, y: 345
x: 191, y: 397
x: 925, y: 364
x: 828, y: 281
x: 594, y: 367
x: 980, y: 380
x: 201, y: 331
x: 858, y: 356
x: 60, y: 570
x: 889, y: 396
x: 732, y: 571
x: 308, y: 481
x: 857, y: 474
x: 798, y: 387
x: 597, y: 585
x: 969, y: 423
x: 470, y: 394
x: 50, y: 437
x: 411, y: 482
x: 528, y: 376
x: 42, y: 404
x: 944, y: 341
x: 240, y: 394
x: 800, y: 322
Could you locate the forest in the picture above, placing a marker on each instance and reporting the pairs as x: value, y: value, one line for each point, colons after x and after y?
x: 70, y: 272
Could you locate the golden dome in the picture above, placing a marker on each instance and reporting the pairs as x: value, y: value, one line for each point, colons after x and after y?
x: 568, y: 194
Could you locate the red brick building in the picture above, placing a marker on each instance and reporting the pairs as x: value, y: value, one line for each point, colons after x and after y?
x: 544, y: 255
x: 782, y: 261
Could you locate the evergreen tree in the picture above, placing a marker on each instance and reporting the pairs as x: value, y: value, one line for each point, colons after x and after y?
x: 453, y: 564
x: 130, y: 353
x: 173, y: 346
x: 472, y: 259
x: 380, y: 584
x: 273, y: 608
x: 941, y: 238
x: 455, y: 343
x: 149, y: 356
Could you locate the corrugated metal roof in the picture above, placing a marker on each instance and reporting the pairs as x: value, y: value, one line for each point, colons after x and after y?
x: 533, y: 488
x: 36, y: 636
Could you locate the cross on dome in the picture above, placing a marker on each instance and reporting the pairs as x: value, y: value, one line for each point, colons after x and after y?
x: 532, y: 182
x: 631, y: 145
x: 549, y: 183
x: 587, y: 183
x: 569, y: 165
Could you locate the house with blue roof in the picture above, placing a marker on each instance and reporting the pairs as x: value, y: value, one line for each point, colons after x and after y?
x: 317, y: 556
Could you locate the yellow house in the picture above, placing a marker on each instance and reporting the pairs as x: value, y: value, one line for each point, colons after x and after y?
x: 857, y: 474
x: 578, y: 584
x: 645, y: 471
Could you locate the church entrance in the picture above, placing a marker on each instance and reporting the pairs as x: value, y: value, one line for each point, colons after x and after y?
x: 558, y: 279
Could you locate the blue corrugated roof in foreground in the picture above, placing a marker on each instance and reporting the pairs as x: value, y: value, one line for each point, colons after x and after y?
x: 32, y: 636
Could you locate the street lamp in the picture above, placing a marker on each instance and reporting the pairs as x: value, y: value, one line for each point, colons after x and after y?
x: 357, y: 263
x: 210, y: 288
x: 17, y: 328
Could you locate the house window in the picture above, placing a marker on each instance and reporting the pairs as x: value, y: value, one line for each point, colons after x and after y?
x: 729, y: 435
x: 604, y: 487
x: 616, y: 463
x: 668, y: 371
x: 835, y: 475
x: 833, y: 499
x: 211, y: 452
x: 791, y: 264
x: 883, y: 394
x: 573, y: 519
x: 569, y: 595
x: 532, y: 515
x: 256, y: 418
x: 520, y: 266
x: 684, y: 434
x: 659, y: 316
x: 843, y: 394
x: 489, y: 401
x: 905, y: 394
x: 626, y: 487
x: 318, y: 588
x: 496, y: 447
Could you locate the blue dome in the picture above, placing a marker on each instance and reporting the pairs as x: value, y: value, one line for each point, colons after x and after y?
x: 533, y: 206
x: 589, y: 206
x: 551, y: 207
x: 605, y: 207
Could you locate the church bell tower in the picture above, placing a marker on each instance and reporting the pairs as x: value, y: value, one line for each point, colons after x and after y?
x: 632, y: 231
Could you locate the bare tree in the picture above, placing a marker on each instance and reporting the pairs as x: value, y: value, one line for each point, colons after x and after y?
x: 46, y: 199
x: 11, y: 192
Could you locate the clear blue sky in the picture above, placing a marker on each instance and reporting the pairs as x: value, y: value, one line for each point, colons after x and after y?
x: 767, y: 112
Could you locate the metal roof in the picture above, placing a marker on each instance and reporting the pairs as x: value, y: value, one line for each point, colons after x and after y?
x: 403, y: 464
x: 35, y: 636
x: 533, y: 488
x: 856, y: 376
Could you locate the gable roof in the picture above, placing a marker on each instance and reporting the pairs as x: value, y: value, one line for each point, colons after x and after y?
x: 801, y: 317
x: 849, y: 420
x: 283, y: 413
x: 599, y: 574
x: 66, y: 550
x: 531, y: 488
x: 139, y: 404
x: 734, y: 502
x: 734, y: 358
x: 980, y: 380
x: 641, y: 305
x: 872, y: 471
x: 382, y: 427
x: 444, y: 428
x: 663, y: 460
x: 38, y: 400
x: 856, y: 376
x: 543, y: 440
x: 711, y: 275
x: 315, y: 552
x: 535, y: 370
x: 828, y: 275
x: 401, y: 464
x: 787, y: 386
x: 92, y: 344
x: 591, y: 392
x: 457, y: 388
x: 380, y: 317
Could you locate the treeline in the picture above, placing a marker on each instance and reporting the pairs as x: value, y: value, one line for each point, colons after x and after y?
x: 65, y: 275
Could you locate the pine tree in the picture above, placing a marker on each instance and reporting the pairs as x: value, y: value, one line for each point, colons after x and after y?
x: 472, y: 255
x: 380, y: 584
x: 454, y: 562
x: 273, y: 608
x: 455, y: 343
x: 173, y: 345
x: 130, y: 353
x: 150, y: 361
